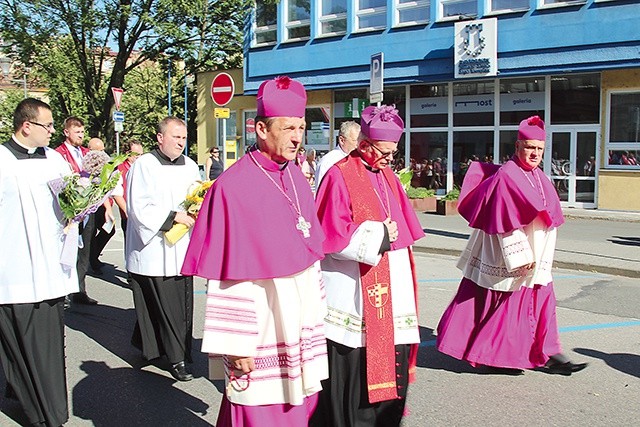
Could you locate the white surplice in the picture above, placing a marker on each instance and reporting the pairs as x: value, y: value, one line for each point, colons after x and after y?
x: 498, y: 261
x: 278, y: 322
x: 31, y: 230
x: 154, y: 190
x: 341, y: 273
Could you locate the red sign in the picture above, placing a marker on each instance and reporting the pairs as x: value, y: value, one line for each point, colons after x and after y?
x: 222, y: 89
x: 117, y: 96
x: 250, y: 126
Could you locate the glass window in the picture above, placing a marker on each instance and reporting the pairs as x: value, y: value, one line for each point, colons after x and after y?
x: 410, y: 12
x: 507, y: 145
x: 561, y: 2
x: 318, y: 127
x: 469, y: 147
x: 628, y: 158
x: 521, y: 98
x: 473, y: 103
x: 266, y: 23
x: 575, y: 99
x: 466, y: 8
x: 624, y: 117
x: 506, y: 5
x: 348, y: 104
x: 298, y: 19
x: 395, y: 95
x: 371, y: 14
x: 429, y: 160
x: 429, y: 105
x: 623, y: 136
x: 333, y: 17
x: 249, y: 129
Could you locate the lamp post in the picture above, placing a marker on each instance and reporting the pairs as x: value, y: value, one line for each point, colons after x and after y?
x: 169, y: 85
x: 5, y: 63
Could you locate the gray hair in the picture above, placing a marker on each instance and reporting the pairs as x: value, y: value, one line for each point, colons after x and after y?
x: 346, y: 127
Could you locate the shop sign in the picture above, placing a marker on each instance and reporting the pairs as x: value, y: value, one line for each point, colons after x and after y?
x: 475, y: 48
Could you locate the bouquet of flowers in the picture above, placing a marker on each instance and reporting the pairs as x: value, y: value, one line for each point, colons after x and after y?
x: 191, y: 205
x: 79, y: 195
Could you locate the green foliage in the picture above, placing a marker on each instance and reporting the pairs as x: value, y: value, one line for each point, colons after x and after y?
x: 82, y: 48
x: 8, y: 103
x: 80, y: 194
x: 146, y: 103
x: 405, y: 176
x: 453, y: 194
x: 419, y: 193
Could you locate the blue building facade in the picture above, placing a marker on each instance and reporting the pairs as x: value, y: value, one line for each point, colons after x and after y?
x: 463, y: 73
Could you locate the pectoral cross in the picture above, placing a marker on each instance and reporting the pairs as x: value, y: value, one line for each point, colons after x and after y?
x: 304, y: 226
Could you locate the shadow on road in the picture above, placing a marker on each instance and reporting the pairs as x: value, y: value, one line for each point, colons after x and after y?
x: 429, y: 357
x: 125, y: 396
x: 623, y: 362
x: 463, y: 236
x: 626, y: 241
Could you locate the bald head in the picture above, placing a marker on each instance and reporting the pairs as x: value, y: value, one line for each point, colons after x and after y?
x: 96, y: 144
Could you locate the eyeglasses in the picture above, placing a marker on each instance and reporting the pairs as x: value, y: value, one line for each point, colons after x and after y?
x: 48, y: 127
x: 391, y: 154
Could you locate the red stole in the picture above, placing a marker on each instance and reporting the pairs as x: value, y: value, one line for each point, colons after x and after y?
x: 375, y: 283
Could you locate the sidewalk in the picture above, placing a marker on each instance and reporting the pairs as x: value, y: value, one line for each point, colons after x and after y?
x: 590, y: 240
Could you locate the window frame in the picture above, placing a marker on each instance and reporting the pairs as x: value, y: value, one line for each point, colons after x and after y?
x: 442, y: 18
x: 332, y: 17
x: 567, y: 3
x: 359, y: 13
x: 415, y: 4
x: 491, y: 11
x: 292, y: 25
x: 618, y: 146
x: 263, y: 29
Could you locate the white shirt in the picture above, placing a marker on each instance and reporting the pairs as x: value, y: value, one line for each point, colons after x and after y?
x: 328, y: 160
x: 31, y: 230
x: 76, y: 152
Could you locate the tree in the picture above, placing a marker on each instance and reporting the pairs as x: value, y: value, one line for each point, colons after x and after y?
x: 8, y: 103
x: 70, y: 44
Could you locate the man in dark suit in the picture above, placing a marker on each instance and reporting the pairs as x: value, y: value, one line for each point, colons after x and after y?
x: 73, y: 151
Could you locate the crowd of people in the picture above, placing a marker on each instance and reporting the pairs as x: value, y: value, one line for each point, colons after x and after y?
x: 321, y: 328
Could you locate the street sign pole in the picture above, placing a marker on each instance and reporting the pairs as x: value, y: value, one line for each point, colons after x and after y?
x: 222, y: 90
x: 118, y: 126
x: 376, y: 82
x: 117, y: 98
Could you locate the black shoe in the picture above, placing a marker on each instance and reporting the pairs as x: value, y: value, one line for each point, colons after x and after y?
x: 85, y: 299
x: 67, y: 302
x: 179, y: 372
x: 566, y: 369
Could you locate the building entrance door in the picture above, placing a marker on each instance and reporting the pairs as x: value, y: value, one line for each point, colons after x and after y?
x: 573, y: 167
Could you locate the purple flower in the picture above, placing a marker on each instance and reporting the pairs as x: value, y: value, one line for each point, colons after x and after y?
x: 93, y: 162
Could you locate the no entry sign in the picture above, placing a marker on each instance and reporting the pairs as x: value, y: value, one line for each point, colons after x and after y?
x: 222, y: 89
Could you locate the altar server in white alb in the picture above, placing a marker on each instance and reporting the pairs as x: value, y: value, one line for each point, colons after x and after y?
x: 33, y: 283
x: 157, y: 184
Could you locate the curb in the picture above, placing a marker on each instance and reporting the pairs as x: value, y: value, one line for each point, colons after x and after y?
x: 602, y: 269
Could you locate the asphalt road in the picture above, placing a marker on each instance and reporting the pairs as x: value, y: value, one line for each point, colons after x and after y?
x: 599, y: 316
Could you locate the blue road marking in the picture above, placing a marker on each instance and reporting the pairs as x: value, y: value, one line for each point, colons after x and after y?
x: 564, y: 329
x: 555, y: 276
